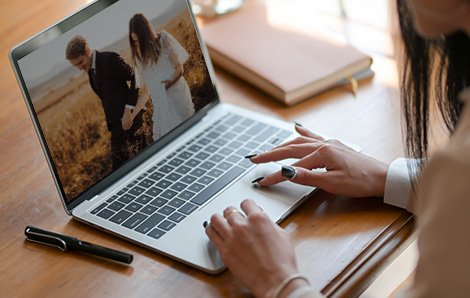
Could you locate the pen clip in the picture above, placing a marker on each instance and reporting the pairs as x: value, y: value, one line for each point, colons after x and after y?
x: 43, y: 238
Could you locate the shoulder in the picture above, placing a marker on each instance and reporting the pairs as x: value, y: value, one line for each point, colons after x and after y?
x: 113, y: 59
x: 108, y: 56
x: 111, y: 55
x: 162, y: 34
x: 163, y: 37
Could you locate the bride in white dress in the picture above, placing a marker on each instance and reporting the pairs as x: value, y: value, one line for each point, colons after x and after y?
x: 158, y: 60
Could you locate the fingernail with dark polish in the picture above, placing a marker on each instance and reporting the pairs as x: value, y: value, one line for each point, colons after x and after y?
x: 204, y: 224
x: 298, y: 124
x: 250, y: 155
x: 288, y: 172
x: 257, y: 180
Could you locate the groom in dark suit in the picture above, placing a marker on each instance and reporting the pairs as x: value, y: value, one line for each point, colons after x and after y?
x: 110, y: 77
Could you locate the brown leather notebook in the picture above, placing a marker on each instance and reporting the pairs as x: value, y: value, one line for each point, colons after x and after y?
x: 287, y: 64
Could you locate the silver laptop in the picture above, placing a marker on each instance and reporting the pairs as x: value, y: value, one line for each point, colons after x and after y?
x: 133, y: 131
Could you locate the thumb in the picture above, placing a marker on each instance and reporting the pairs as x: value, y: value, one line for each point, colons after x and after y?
x: 305, y: 176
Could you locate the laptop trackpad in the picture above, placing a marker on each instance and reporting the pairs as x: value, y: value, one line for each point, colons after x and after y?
x: 276, y: 200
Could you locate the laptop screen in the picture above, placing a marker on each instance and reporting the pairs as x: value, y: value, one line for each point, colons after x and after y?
x: 112, y: 84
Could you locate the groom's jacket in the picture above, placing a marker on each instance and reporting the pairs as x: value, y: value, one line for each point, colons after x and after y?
x: 110, y: 83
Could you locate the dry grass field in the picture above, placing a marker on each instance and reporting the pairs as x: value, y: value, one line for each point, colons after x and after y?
x: 75, y: 127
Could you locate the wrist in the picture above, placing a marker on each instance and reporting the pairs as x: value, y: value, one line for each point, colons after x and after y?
x: 288, y: 285
x: 292, y: 286
x: 381, y: 176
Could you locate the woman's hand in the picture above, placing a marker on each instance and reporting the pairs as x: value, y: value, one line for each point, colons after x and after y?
x: 144, y: 96
x: 127, y: 119
x: 348, y: 172
x: 168, y: 83
x: 257, y: 251
x: 179, y: 70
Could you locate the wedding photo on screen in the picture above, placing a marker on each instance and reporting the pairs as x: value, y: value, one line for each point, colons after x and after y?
x: 111, y: 86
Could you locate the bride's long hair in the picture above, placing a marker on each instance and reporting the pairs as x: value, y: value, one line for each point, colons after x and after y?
x: 149, y: 46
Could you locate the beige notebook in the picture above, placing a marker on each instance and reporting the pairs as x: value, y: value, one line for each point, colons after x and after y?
x: 286, y: 64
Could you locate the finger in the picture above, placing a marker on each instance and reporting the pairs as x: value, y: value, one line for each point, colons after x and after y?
x: 233, y: 215
x: 312, y: 161
x: 303, y: 176
x: 309, y: 177
x: 214, y: 236
x: 297, y: 140
x: 249, y: 207
x: 220, y: 224
x: 290, y: 151
x: 307, y: 133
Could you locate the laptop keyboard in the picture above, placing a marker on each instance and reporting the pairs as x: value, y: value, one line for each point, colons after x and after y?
x: 164, y: 195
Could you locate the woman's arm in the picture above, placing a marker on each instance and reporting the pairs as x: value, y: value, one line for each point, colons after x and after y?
x: 144, y: 95
x: 128, y: 120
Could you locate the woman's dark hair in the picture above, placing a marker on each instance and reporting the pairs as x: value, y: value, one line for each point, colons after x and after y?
x: 149, y: 47
x: 450, y: 59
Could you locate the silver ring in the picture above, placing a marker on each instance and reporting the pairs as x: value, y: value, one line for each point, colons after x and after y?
x: 234, y: 210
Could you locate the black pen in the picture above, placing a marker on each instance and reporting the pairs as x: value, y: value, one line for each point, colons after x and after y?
x: 67, y: 243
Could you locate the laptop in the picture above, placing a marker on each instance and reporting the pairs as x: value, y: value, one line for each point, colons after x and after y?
x: 151, y: 181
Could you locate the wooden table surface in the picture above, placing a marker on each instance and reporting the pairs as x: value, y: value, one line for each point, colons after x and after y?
x: 340, y: 241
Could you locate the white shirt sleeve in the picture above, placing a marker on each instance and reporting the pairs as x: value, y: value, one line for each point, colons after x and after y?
x: 398, y: 184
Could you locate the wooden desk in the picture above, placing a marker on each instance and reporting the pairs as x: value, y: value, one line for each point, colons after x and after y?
x: 340, y: 241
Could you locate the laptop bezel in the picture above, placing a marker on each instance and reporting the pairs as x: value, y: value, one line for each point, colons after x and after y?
x: 59, y: 28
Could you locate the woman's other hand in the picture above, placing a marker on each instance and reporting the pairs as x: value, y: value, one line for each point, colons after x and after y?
x: 257, y: 251
x: 348, y: 172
